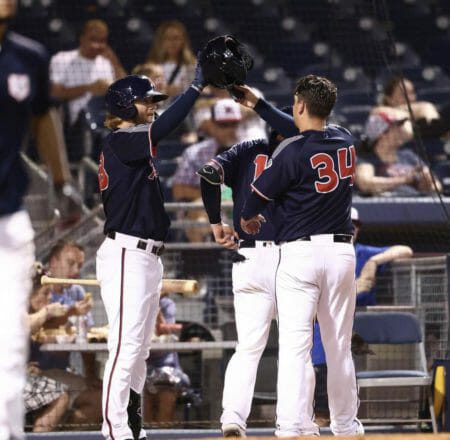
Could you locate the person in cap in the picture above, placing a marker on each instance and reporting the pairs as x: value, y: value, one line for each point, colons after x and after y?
x: 225, y: 117
x: 128, y: 265
x: 388, y: 169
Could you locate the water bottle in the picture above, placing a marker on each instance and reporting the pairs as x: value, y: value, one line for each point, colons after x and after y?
x: 81, y: 330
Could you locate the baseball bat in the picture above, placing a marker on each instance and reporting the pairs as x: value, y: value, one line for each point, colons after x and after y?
x: 186, y: 287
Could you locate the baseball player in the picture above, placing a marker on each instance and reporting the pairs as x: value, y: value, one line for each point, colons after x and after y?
x: 253, y: 277
x: 128, y: 265
x: 309, y: 179
x: 24, y: 93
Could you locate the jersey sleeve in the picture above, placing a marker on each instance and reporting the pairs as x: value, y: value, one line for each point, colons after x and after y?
x: 41, y: 101
x: 229, y: 162
x: 278, y: 120
x: 279, y: 174
x: 132, y: 144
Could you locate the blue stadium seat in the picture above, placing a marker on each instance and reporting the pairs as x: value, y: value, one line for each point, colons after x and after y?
x: 425, y: 76
x: 436, y: 52
x: 442, y: 171
x: 436, y: 95
x: 354, y: 97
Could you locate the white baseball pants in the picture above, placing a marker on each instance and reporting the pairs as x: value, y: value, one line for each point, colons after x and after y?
x: 130, y: 280
x: 254, y: 309
x: 16, y: 261
x: 316, y: 276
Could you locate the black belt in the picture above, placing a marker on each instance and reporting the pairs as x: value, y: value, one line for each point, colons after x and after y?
x: 337, y: 238
x: 251, y: 243
x: 141, y: 244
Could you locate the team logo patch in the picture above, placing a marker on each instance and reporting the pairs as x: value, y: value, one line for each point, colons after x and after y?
x: 19, y: 86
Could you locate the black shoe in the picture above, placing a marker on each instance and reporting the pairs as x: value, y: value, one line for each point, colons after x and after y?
x: 135, y: 414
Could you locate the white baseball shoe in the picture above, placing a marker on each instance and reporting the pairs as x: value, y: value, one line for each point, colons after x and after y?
x: 233, y: 430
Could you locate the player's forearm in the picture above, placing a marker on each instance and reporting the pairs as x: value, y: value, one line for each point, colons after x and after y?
x: 174, y: 115
x: 51, y: 145
x: 278, y: 120
x: 211, y: 197
x: 391, y: 254
x: 63, y: 93
x: 253, y: 206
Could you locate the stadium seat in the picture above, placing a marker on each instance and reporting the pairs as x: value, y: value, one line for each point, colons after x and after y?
x: 442, y: 172
x: 354, y: 97
x: 437, y: 95
x: 396, y: 367
x: 436, y: 52
x: 423, y: 77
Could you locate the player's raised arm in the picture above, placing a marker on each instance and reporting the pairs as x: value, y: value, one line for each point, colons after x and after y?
x: 180, y: 108
x: 276, y: 118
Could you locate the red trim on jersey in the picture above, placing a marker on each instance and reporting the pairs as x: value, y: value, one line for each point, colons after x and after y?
x: 118, y: 345
x: 152, y: 147
x: 259, y: 193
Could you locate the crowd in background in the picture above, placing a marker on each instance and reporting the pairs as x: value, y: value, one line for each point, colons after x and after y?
x: 389, y: 159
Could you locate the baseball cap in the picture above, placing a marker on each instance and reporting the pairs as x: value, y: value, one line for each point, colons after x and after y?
x: 226, y: 110
x: 379, y: 123
x: 355, y: 217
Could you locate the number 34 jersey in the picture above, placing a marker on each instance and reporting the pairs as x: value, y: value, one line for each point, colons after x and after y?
x: 310, y: 179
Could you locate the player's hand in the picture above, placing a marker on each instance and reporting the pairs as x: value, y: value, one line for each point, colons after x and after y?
x: 253, y: 225
x: 82, y: 307
x: 249, y: 96
x: 56, y: 310
x: 225, y: 235
x: 99, y: 87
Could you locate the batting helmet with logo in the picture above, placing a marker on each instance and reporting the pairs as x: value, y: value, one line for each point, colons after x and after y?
x: 225, y: 62
x: 122, y: 94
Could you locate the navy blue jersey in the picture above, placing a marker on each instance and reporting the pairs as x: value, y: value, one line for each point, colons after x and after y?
x: 310, y: 179
x: 241, y: 165
x: 129, y: 183
x: 128, y: 180
x: 24, y: 90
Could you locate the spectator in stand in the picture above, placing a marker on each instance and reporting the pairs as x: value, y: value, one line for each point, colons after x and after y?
x: 165, y: 377
x: 80, y: 74
x: 171, y: 49
x: 430, y: 122
x: 251, y: 127
x: 387, y: 169
x: 46, y: 400
x: 225, y: 117
x: 65, y: 261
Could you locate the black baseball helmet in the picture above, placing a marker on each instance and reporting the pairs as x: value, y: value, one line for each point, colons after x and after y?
x: 225, y: 62
x: 122, y: 94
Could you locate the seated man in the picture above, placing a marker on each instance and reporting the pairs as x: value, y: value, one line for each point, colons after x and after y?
x: 65, y: 261
x: 79, y: 75
x: 387, y: 169
x: 46, y: 400
x: 225, y: 119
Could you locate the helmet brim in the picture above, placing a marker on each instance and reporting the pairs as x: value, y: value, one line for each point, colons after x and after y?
x: 156, y: 96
